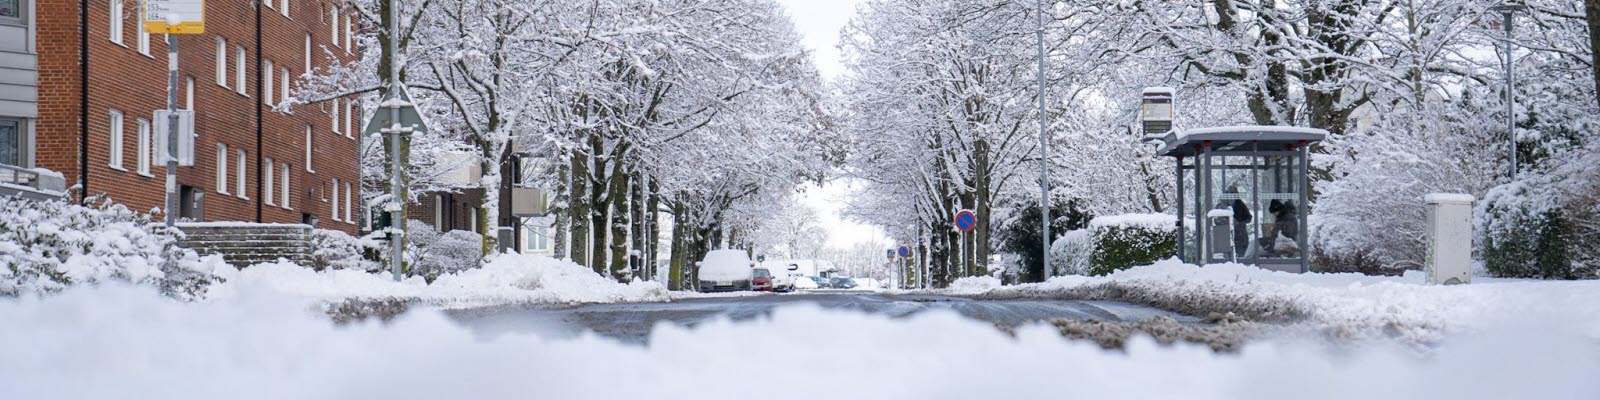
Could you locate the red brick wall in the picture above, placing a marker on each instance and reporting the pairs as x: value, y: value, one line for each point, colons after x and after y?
x: 122, y: 78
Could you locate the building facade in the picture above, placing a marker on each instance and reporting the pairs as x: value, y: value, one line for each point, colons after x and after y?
x: 101, y: 77
x: 19, y: 82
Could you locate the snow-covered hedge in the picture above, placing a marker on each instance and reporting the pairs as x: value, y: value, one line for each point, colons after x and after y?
x: 331, y: 249
x: 46, y: 246
x: 1124, y: 241
x: 1070, y: 253
x: 435, y: 253
x: 1526, y: 234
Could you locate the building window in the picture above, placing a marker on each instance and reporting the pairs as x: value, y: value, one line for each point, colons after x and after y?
x: 333, y: 119
x: 11, y: 9
x: 283, y: 83
x: 438, y: 212
x: 349, y: 33
x: 116, y: 139
x: 348, y: 204
x: 285, y: 167
x: 144, y: 147
x: 188, y: 93
x: 308, y: 152
x: 333, y: 24
x: 144, y: 36
x: 266, y: 80
x: 222, y: 168
x: 349, y: 118
x: 117, y: 17
x: 240, y: 177
x: 238, y: 69
x: 308, y: 53
x: 11, y: 136
x: 335, y: 214
x: 222, y: 61
x: 283, y: 7
x: 269, y: 180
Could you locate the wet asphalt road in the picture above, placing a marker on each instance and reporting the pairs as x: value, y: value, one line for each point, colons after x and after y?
x: 632, y: 322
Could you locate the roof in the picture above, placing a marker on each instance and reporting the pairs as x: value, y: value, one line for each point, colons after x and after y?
x: 1238, y: 139
x: 1160, y: 90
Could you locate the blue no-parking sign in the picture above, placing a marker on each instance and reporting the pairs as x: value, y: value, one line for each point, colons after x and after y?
x: 966, y: 220
x: 905, y: 251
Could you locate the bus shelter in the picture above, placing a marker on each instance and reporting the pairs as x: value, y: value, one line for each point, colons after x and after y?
x: 1242, y: 194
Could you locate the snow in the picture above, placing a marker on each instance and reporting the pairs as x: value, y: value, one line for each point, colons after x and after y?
x: 974, y: 284
x: 519, y: 279
x: 1162, y: 222
x: 119, y: 342
x: 1265, y: 130
x: 1218, y: 213
x: 1160, y: 90
x: 1448, y: 198
x: 1354, y: 305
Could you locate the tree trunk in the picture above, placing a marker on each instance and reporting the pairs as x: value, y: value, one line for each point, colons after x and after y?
x: 636, y: 220
x: 983, y: 175
x: 652, y: 216
x: 578, y: 208
x: 599, y: 206
x: 1592, y: 9
x: 676, y: 262
x: 559, y: 208
x: 620, y: 211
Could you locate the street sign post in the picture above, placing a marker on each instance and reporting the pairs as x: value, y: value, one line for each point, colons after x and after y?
x: 966, y: 220
x: 398, y: 119
x: 177, y: 18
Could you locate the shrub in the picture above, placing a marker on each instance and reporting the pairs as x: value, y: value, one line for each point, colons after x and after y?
x: 47, y: 246
x: 1524, y: 235
x: 1070, y: 254
x: 1124, y: 241
x: 332, y: 249
x: 432, y: 253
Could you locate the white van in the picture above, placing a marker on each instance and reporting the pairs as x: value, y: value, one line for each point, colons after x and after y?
x: 725, y: 271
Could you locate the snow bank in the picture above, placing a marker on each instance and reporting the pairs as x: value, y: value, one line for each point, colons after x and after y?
x: 119, y: 343
x: 507, y: 279
x: 974, y: 284
x: 1345, y: 305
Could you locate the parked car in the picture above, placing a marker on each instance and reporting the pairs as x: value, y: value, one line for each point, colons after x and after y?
x: 804, y: 283
x: 784, y: 275
x: 725, y: 271
x: 822, y: 283
x: 839, y: 282
x: 761, y: 280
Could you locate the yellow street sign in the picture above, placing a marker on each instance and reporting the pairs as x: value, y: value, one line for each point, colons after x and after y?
x: 177, y: 17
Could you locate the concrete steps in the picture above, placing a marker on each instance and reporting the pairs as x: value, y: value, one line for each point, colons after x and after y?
x: 245, y: 244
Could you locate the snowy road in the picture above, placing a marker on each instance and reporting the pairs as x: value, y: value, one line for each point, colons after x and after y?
x: 632, y: 321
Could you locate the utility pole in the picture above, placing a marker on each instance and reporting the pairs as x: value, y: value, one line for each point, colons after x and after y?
x: 172, y: 130
x: 397, y: 208
x: 1044, y: 153
x: 1508, y: 10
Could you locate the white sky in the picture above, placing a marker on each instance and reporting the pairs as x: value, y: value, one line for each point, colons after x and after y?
x: 819, y: 21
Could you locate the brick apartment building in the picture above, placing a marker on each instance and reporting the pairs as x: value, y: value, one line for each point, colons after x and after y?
x: 100, y: 77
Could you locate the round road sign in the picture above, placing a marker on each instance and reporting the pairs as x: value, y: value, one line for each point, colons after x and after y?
x: 966, y: 220
x: 905, y: 251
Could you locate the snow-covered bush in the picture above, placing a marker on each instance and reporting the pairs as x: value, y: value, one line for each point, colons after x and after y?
x: 1124, y: 241
x: 1525, y: 234
x: 47, y: 246
x: 331, y: 249
x: 1070, y: 253
x: 433, y: 253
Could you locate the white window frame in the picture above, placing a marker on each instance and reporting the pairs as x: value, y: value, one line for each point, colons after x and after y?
x: 144, y: 147
x: 333, y: 23
x: 239, y: 69
x: 285, y: 180
x: 308, y: 53
x: 333, y: 118
x: 270, y: 179
x: 242, y: 178
x: 222, y: 62
x: 349, y: 118
x: 115, y: 25
x: 309, y: 141
x: 283, y: 7
x: 143, y: 35
x: 188, y: 93
x: 335, y: 196
x: 115, y: 134
x: 349, y: 33
x: 283, y: 86
x: 222, y: 168
x: 348, y: 202
x: 266, y: 80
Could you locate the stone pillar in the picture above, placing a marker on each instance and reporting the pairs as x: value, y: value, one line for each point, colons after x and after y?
x: 1449, y: 238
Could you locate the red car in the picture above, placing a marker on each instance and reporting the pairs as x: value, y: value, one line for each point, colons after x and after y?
x: 761, y: 280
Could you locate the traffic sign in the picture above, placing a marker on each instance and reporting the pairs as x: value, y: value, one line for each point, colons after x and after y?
x: 905, y: 251
x: 411, y: 122
x: 891, y: 254
x: 966, y: 220
x: 178, y: 17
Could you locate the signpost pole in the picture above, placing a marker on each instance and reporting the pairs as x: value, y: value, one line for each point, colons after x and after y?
x: 397, y: 229
x: 172, y: 129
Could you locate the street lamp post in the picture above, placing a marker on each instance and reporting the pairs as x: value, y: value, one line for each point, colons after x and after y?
x: 1508, y: 11
x: 1044, y: 152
